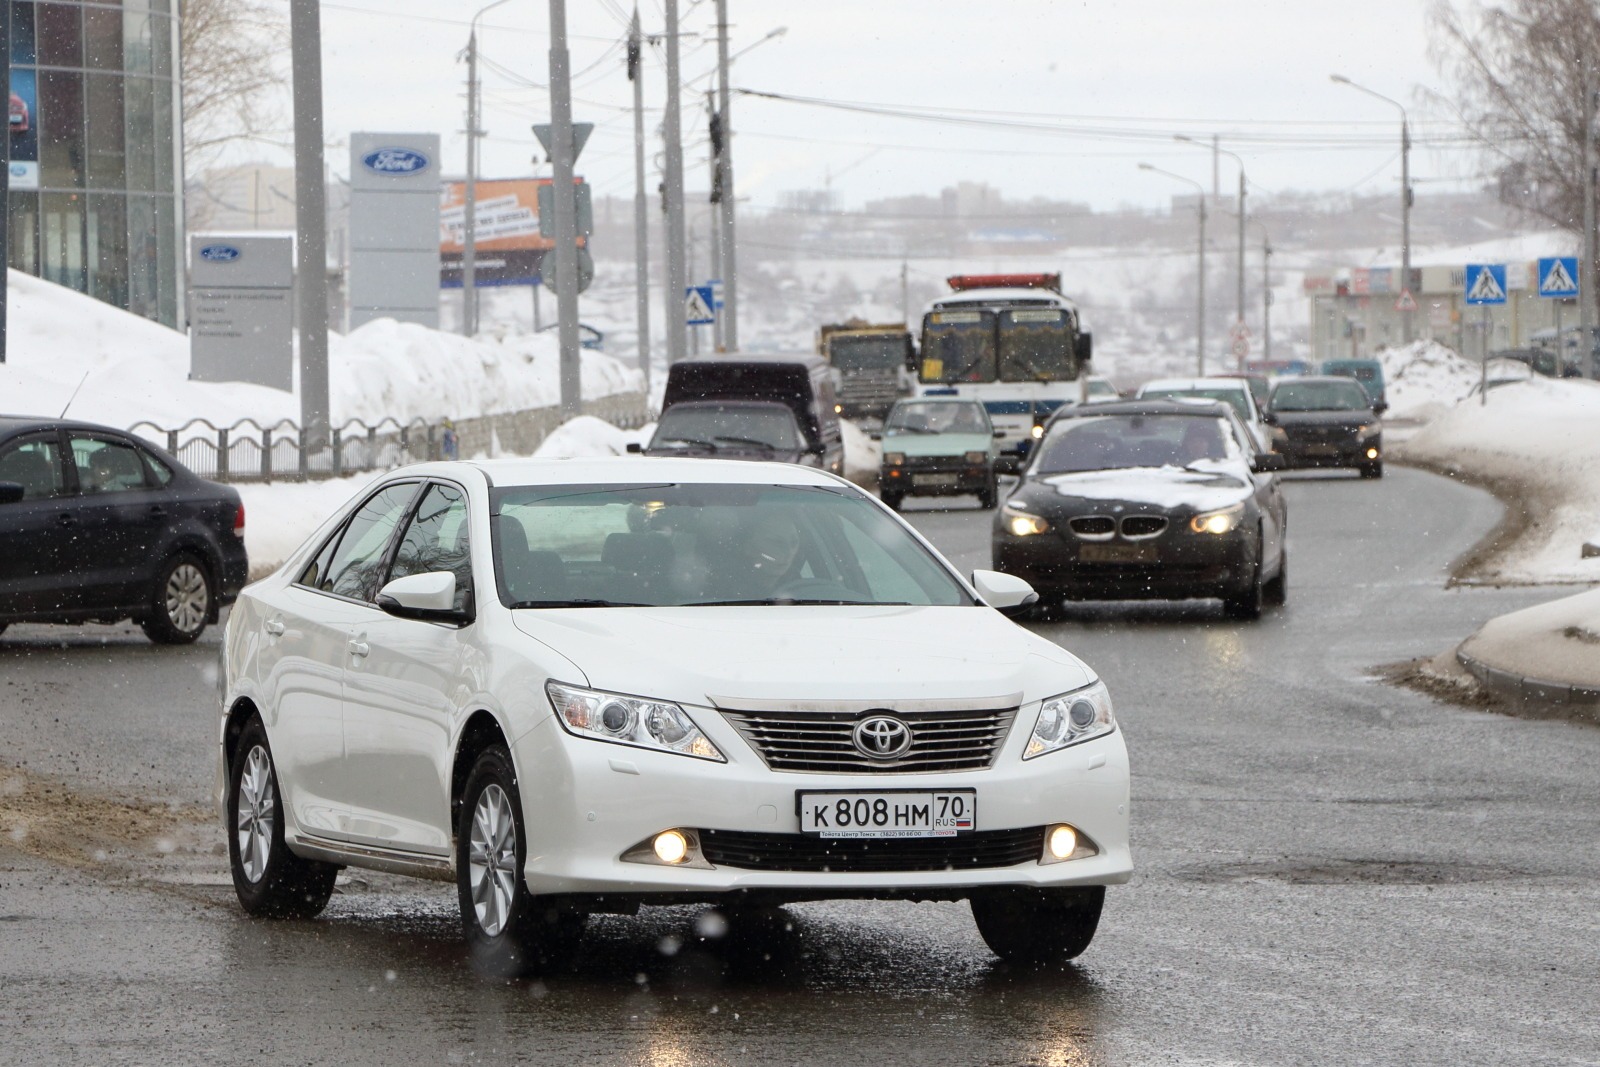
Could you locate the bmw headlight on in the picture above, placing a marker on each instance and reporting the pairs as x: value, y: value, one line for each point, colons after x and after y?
x: 1071, y: 718
x: 1218, y: 522
x: 1021, y: 523
x: 625, y: 720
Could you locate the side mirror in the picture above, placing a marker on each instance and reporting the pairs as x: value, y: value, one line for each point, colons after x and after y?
x: 875, y: 436
x: 1380, y: 407
x: 11, y: 492
x: 999, y: 435
x: 635, y: 448
x: 429, y: 597
x: 1084, y: 351
x: 1269, y: 418
x: 1268, y: 462
x: 1005, y: 593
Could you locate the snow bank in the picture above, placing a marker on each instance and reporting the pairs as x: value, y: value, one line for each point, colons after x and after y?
x: 862, y: 455
x: 1424, y: 379
x: 134, y: 370
x: 585, y: 436
x: 1537, y: 438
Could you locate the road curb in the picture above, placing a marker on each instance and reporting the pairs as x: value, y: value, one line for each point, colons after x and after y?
x: 1521, y: 688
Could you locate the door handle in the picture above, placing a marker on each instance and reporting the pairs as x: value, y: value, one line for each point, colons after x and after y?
x: 157, y: 510
x: 66, y: 518
x: 359, y: 648
x: 274, y: 627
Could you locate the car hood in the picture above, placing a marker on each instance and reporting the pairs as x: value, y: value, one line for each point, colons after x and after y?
x: 937, y: 444
x: 1165, y: 487
x: 776, y: 455
x: 1292, y: 419
x: 727, y: 656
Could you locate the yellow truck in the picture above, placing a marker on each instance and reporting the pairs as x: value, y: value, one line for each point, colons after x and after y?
x: 873, y: 365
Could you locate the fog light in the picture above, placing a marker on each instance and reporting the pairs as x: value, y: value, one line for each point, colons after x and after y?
x: 671, y: 846
x: 1063, y: 842
x: 1372, y: 453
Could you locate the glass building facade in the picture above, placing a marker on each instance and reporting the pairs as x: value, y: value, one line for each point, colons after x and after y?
x: 96, y: 150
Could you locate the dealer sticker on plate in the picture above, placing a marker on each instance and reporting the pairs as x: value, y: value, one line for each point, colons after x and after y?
x: 945, y: 813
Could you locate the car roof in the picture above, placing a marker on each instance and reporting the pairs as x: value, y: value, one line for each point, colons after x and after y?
x: 810, y: 359
x: 937, y: 398
x: 1337, y: 379
x: 12, y: 423
x: 1216, y: 409
x: 624, y: 470
x: 1192, y: 383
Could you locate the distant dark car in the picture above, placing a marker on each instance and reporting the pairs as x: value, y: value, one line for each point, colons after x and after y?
x: 1328, y: 422
x: 98, y: 526
x: 731, y: 429
x: 1147, y: 500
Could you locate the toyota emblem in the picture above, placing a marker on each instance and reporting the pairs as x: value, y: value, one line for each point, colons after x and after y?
x: 882, y: 737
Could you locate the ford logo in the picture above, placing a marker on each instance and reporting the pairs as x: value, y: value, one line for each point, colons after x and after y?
x: 395, y: 161
x: 219, y: 253
x: 882, y: 737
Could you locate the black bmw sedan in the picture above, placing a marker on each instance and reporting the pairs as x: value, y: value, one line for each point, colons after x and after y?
x: 1327, y: 422
x: 1157, y: 499
x: 98, y: 526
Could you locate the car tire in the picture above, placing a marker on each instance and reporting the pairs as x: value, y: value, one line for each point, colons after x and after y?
x: 989, y: 498
x: 182, y: 599
x: 1372, y: 470
x: 270, y: 880
x: 1275, y: 593
x: 894, y: 500
x: 510, y: 932
x: 1038, y: 927
x: 1246, y: 603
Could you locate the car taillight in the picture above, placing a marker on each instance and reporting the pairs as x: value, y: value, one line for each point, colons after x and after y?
x: 238, y: 522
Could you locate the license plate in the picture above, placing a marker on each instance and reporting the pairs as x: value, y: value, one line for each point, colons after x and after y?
x: 933, y: 479
x: 941, y: 813
x: 1118, y: 554
x: 1321, y: 450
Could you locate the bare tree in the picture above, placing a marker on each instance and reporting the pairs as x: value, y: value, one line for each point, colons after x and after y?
x: 232, y: 89
x: 1522, y: 69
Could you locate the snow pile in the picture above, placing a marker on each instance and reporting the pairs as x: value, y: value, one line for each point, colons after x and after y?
x: 1534, y: 441
x: 862, y: 455
x: 585, y: 436
x: 135, y: 370
x: 1424, y: 379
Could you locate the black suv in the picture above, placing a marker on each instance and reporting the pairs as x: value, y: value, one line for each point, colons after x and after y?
x: 98, y: 526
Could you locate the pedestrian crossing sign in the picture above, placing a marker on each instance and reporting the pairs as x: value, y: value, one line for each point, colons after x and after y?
x: 1558, y: 276
x: 1486, y: 283
x: 697, y: 306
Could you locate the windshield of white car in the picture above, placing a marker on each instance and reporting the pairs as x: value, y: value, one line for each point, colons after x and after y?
x: 706, y: 544
x: 1114, y: 442
x: 770, y: 426
x: 930, y: 416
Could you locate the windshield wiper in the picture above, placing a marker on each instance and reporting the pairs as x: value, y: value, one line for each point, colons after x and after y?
x: 748, y: 441
x: 787, y: 601
x: 912, y: 429
x: 689, y: 442
x: 580, y: 603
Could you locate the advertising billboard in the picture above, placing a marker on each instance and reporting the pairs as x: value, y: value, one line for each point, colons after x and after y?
x: 509, y: 249
x: 24, y: 129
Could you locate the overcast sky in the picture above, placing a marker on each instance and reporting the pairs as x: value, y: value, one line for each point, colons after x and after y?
x: 1113, y: 81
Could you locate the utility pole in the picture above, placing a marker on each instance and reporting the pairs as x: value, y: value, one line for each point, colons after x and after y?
x: 1216, y: 151
x: 1266, y: 296
x: 905, y: 299
x: 713, y: 223
x: 677, y: 278
x: 5, y: 183
x: 564, y: 200
x: 469, y: 239
x: 311, y: 239
x: 641, y: 220
x: 1200, y: 304
x: 1216, y: 166
x: 1586, y: 272
x: 1407, y: 314
x: 728, y: 317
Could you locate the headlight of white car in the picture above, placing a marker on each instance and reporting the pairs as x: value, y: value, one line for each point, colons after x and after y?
x: 625, y: 720
x: 1070, y: 718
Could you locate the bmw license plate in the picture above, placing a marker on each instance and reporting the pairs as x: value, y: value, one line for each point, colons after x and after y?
x: 1118, y: 554
x: 933, y: 480
x: 941, y: 813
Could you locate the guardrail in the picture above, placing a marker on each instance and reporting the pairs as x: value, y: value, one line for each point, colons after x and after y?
x: 248, y: 451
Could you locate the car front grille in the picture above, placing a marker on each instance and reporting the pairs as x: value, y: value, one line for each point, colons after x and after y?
x: 1140, y: 527
x: 1093, y: 527
x: 823, y: 741
x: 800, y: 852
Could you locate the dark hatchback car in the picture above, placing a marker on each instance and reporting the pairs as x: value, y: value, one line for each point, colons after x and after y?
x: 1148, y: 500
x: 98, y: 526
x: 1328, y: 422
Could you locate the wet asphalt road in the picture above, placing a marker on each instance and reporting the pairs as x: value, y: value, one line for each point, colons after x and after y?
x: 1330, y: 870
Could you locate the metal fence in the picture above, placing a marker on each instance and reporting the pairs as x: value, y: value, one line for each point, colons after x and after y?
x: 247, y: 451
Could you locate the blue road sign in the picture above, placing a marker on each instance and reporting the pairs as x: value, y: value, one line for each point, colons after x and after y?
x: 1486, y: 283
x: 1558, y: 276
x: 697, y: 306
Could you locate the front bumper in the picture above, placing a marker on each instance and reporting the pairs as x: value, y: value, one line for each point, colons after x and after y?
x: 936, y: 478
x: 1320, y: 452
x: 1188, y: 565
x: 587, y: 802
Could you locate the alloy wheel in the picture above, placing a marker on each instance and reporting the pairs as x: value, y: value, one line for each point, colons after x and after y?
x: 187, y: 597
x: 257, y: 812
x: 493, y: 859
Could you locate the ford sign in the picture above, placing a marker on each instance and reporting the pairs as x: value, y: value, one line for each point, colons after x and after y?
x: 400, y: 161
x: 219, y: 253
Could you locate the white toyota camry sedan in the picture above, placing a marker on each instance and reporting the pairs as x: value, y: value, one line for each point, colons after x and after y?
x: 582, y: 686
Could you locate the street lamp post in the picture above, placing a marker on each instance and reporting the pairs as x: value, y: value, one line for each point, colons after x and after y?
x: 469, y: 233
x: 1217, y: 149
x: 1200, y: 303
x: 1407, y: 310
